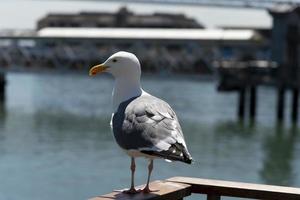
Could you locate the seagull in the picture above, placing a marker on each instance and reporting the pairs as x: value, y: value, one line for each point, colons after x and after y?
x: 143, y: 125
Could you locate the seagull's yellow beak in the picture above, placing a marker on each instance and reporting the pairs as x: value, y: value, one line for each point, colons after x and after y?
x: 97, y: 69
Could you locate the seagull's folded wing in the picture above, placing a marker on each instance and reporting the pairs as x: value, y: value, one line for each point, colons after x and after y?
x: 149, y: 125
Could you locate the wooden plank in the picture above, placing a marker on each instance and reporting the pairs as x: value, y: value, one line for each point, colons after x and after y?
x: 238, y: 189
x: 162, y: 190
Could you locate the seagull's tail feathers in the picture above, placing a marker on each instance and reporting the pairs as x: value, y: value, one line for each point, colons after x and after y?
x: 177, y: 152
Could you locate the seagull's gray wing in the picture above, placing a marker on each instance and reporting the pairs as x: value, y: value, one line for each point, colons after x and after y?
x: 149, y: 125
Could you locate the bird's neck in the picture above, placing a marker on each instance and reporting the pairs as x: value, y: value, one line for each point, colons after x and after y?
x: 125, y: 89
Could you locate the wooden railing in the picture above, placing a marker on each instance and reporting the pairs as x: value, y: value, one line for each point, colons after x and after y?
x: 177, y: 188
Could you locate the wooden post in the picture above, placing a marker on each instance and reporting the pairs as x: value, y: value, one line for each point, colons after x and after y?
x: 213, y: 197
x: 241, y: 106
x: 294, y: 111
x: 2, y: 87
x: 280, y: 104
x: 252, y: 111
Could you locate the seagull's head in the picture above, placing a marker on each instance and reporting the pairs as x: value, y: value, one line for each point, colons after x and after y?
x: 120, y: 64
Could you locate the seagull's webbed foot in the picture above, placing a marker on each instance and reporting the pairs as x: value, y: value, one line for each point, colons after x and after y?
x: 147, y: 190
x: 131, y: 191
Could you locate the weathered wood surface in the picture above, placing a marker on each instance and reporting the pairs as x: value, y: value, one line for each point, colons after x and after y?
x: 238, y: 189
x: 162, y: 190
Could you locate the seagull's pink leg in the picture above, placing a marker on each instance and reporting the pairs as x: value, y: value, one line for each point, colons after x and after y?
x: 150, y: 168
x: 132, y: 190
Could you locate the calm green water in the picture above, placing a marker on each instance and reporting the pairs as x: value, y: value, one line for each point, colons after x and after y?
x: 55, y: 140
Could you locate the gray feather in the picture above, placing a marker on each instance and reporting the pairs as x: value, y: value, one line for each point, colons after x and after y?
x: 148, y: 124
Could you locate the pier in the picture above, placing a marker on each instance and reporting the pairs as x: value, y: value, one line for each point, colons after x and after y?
x: 179, y: 51
x: 177, y: 188
x: 242, y: 59
x: 282, y: 70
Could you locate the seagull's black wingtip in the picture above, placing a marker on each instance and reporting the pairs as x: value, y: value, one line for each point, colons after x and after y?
x: 188, y: 160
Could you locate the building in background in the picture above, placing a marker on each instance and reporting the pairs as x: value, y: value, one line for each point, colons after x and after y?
x: 163, y: 42
x: 122, y: 18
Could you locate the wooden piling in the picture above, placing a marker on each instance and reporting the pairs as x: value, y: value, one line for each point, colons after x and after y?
x: 2, y: 87
x: 241, y: 105
x: 294, y: 109
x: 280, y: 104
x: 252, y: 110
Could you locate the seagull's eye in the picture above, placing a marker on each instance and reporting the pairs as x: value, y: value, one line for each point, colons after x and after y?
x: 114, y: 60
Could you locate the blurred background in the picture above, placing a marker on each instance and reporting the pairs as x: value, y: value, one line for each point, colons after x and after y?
x: 229, y: 68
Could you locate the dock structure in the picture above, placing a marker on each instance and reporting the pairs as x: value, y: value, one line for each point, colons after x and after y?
x: 285, y: 52
x: 282, y: 71
x: 166, y: 50
x: 244, y: 77
x: 177, y: 188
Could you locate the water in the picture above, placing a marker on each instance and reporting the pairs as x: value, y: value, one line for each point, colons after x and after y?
x: 55, y: 140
